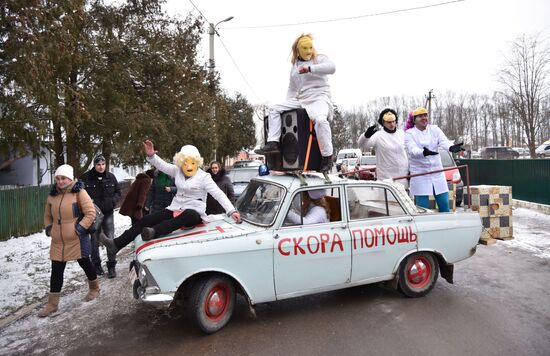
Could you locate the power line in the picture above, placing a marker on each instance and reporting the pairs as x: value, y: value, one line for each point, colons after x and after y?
x: 346, y: 18
x: 238, y: 69
x: 200, y: 12
x: 229, y: 54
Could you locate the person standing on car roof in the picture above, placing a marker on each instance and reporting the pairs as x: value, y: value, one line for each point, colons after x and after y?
x: 422, y: 143
x: 224, y: 183
x: 389, y: 145
x: 308, y: 89
x: 103, y: 188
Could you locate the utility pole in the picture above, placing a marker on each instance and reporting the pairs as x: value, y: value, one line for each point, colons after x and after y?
x: 211, y: 66
x: 429, y: 101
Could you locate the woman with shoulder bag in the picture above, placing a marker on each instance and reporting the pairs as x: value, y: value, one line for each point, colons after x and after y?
x: 68, y: 215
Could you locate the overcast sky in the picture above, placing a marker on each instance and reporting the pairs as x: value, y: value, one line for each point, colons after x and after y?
x: 458, y: 46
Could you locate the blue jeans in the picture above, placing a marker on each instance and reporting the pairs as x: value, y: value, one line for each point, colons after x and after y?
x: 108, y: 228
x: 442, y: 201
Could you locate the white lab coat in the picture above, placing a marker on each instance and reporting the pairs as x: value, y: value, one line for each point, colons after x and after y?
x: 315, y: 215
x: 192, y: 191
x: 310, y: 91
x: 432, y: 138
x: 391, y: 157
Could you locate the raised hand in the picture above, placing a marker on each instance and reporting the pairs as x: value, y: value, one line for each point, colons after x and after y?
x: 456, y: 148
x: 149, y: 148
x: 370, y: 131
x: 427, y: 152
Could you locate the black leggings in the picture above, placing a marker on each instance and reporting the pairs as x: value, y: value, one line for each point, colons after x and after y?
x: 58, y: 268
x: 162, y: 221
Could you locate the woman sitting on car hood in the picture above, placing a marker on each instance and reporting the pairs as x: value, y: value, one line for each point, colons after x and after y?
x: 188, y: 207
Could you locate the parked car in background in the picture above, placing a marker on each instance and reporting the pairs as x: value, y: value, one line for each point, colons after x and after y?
x: 375, y: 233
x: 543, y: 151
x: 348, y: 165
x: 247, y: 163
x: 364, y: 163
x: 501, y: 152
x: 240, y: 177
x: 523, y: 151
x: 453, y: 175
x: 346, y: 153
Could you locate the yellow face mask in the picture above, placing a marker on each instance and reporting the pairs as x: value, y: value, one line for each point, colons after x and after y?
x: 190, y: 166
x: 305, y: 48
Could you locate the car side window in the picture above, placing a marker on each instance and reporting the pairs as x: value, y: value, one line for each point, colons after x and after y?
x: 300, y: 212
x: 372, y: 202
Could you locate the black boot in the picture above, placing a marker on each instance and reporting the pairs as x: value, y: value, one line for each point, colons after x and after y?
x: 99, y: 270
x: 270, y: 147
x: 111, y: 272
x: 147, y: 234
x: 108, y: 243
x: 326, y: 164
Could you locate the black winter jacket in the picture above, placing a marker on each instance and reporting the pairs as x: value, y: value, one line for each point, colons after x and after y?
x: 224, y: 183
x: 103, y: 188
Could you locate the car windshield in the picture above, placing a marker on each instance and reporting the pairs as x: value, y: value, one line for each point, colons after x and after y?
x: 241, y: 164
x: 260, y: 202
x: 365, y: 160
x: 242, y: 175
x: 446, y: 158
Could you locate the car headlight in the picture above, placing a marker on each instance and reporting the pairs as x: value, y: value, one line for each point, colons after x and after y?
x: 456, y: 177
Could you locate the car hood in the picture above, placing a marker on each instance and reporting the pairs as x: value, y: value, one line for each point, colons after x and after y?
x: 203, y: 233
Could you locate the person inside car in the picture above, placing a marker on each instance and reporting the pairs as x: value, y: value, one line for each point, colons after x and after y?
x: 315, y: 209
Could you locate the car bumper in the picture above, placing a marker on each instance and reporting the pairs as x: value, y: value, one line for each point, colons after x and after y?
x: 146, y: 289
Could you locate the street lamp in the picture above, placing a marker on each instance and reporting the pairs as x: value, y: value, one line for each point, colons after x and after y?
x: 211, y: 32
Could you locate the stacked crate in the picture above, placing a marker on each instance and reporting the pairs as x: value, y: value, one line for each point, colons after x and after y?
x: 452, y: 200
x: 494, y: 205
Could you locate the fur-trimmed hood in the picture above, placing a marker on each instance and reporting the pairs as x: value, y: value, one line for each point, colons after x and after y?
x: 77, y: 186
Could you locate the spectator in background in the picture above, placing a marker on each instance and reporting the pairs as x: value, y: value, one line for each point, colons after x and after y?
x: 103, y: 188
x: 134, y: 201
x: 68, y: 214
x: 161, y: 193
x: 224, y: 183
x: 389, y: 144
x: 422, y: 143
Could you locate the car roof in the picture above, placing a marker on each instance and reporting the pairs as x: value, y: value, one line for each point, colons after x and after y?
x: 314, y: 179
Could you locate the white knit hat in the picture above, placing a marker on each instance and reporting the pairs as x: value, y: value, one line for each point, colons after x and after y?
x: 316, y: 193
x: 65, y: 170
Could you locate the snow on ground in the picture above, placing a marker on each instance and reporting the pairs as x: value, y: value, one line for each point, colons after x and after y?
x: 531, y: 231
x: 25, y: 264
x: 25, y: 269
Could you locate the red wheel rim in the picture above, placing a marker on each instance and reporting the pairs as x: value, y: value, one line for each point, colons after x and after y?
x: 216, y: 302
x: 419, y: 272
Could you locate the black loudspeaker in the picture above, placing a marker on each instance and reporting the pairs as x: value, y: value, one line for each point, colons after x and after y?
x: 298, y: 143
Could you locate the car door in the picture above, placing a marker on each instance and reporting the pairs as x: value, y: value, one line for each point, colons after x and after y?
x: 381, y: 232
x: 314, y: 257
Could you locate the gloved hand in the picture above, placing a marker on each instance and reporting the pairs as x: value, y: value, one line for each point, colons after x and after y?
x: 427, y: 152
x: 456, y: 148
x: 370, y: 131
x: 48, y: 230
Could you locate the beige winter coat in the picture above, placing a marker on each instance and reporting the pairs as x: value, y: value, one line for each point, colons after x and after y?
x: 62, y: 213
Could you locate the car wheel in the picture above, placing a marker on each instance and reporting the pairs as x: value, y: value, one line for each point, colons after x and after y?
x: 418, y: 274
x: 213, y: 302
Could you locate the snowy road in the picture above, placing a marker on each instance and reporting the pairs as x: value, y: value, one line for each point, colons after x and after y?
x: 498, y: 305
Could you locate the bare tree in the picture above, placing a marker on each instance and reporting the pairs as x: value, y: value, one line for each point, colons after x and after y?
x: 524, y: 77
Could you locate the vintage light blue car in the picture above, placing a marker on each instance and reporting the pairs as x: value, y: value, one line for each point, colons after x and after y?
x: 375, y: 233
